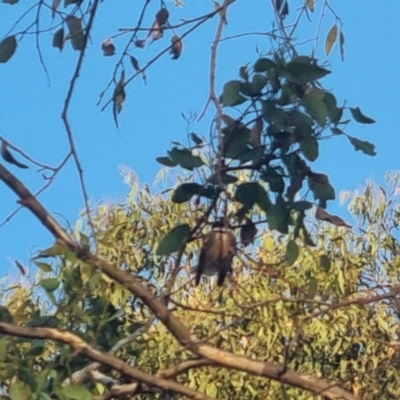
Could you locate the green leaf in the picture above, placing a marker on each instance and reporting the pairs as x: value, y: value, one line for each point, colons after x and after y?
x: 254, y: 88
x: 312, y: 287
x: 5, y: 315
x: 76, y: 392
x: 7, y: 48
x: 302, y: 205
x: 302, y: 72
x: 49, y: 284
x: 278, y: 218
x: 307, y: 238
x: 247, y: 193
x: 236, y: 142
x: 19, y: 391
x: 196, y: 139
x: 331, y: 106
x: 263, y: 201
x: 45, y: 267
x: 314, y: 104
x: 264, y: 64
x: 360, y: 117
x: 309, y: 148
x: 185, y: 158
x: 166, y: 161
x: 273, y: 114
x: 258, y: 82
x: 55, y: 250
x: 322, y: 189
x: 11, y: 2
x: 75, y: 32
x: 292, y: 252
x: 274, y: 179
x: 58, y: 39
x: 185, y: 192
x: 230, y: 94
x: 301, y: 120
x: 324, y: 262
x: 362, y: 145
x: 173, y: 240
x: 3, y: 349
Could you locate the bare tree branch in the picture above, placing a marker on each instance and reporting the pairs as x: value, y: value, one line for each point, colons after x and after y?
x: 80, y: 346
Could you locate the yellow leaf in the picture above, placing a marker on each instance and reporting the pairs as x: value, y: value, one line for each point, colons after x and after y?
x: 331, y: 39
x: 310, y: 4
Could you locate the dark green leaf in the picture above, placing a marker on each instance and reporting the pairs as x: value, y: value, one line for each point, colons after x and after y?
x: 263, y: 201
x: 185, y: 158
x: 360, y: 117
x: 225, y: 178
x: 331, y: 106
x: 166, y: 161
x: 273, y: 114
x: 49, y: 284
x: 196, y: 139
x: 302, y: 205
x: 278, y: 218
x: 248, y: 232
x: 325, y: 262
x: 58, y: 39
x: 135, y: 63
x: 302, y: 121
x: 314, y: 104
x: 254, y: 87
x: 292, y: 252
x: 230, y: 94
x: 236, y: 142
x: 5, y: 315
x: 362, y: 145
x: 263, y: 65
x: 309, y: 148
x: 303, y: 72
x: 11, y: 2
x: 307, y: 238
x: 7, y: 48
x: 247, y: 193
x: 322, y: 190
x: 275, y: 180
x: 173, y: 240
x: 185, y: 192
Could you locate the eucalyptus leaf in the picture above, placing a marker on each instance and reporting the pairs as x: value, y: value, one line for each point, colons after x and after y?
x: 360, y: 117
x: 7, y: 48
x: 362, y: 145
x: 185, y: 192
x: 173, y: 240
x: 231, y: 94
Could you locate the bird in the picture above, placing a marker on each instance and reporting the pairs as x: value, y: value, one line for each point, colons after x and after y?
x: 217, y: 253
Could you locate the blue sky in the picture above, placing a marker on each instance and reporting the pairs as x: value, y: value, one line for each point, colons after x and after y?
x: 151, y: 119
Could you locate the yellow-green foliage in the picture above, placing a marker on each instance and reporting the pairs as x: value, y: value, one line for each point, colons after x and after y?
x: 307, y: 303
